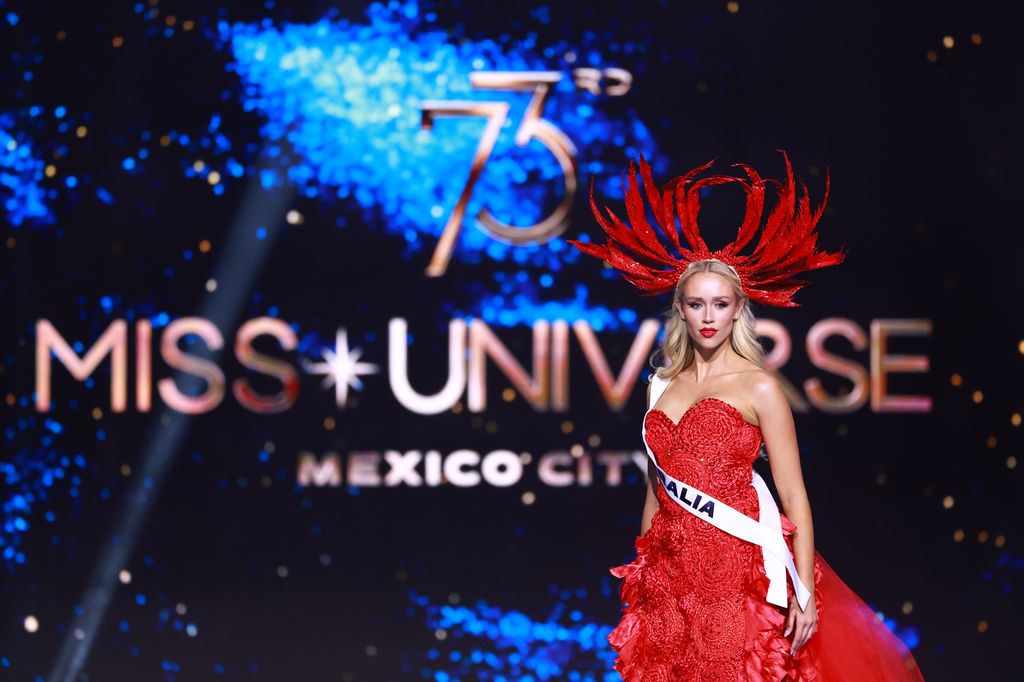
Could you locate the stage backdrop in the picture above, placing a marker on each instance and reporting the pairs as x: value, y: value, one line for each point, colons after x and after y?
x: 301, y: 381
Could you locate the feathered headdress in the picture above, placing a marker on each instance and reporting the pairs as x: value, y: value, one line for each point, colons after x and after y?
x: 785, y: 247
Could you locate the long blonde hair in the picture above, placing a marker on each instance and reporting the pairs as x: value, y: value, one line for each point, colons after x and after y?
x: 677, y: 351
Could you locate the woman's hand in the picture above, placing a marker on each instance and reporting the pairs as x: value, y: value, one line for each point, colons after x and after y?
x: 801, y: 622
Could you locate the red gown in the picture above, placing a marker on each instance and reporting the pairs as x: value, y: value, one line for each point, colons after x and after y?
x: 694, y: 597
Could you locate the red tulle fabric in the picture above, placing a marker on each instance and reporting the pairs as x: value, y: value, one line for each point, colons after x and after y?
x: 694, y: 597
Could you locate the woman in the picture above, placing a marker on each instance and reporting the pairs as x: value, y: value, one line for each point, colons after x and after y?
x: 707, y: 597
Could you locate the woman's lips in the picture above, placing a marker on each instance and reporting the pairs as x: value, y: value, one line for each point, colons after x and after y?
x: 708, y: 332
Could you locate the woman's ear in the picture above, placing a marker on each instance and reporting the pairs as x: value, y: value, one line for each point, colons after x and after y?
x: 739, y: 309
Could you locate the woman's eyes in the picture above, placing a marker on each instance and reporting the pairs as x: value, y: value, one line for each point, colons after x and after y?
x: 720, y: 304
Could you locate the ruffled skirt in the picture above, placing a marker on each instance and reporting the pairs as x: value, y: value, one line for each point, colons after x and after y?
x: 675, y: 626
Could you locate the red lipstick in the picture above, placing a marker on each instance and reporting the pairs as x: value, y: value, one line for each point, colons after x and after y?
x: 708, y: 332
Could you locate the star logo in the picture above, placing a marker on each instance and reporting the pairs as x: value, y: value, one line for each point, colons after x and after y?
x: 341, y: 367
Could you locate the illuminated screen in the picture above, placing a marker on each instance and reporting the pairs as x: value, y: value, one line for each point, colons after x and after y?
x: 301, y: 379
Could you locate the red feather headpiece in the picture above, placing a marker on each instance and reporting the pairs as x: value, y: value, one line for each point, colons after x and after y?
x: 785, y: 247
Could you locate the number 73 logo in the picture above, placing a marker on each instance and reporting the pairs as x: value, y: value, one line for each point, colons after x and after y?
x: 616, y: 83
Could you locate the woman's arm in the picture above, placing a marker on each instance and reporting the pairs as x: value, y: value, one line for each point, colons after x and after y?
x: 651, y: 502
x: 776, y: 421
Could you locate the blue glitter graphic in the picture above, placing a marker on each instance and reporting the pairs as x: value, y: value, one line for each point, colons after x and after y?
x: 29, y: 478
x: 21, y: 174
x: 518, y: 305
x: 485, y: 642
x: 345, y: 100
x: 341, y: 109
x: 340, y: 104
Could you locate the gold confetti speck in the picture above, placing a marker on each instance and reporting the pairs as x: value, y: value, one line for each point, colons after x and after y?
x: 958, y: 535
x: 982, y: 626
x: 947, y: 502
x: 948, y: 42
x: 956, y: 380
x: 977, y: 396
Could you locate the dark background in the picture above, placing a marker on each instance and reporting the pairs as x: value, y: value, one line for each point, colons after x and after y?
x: 923, y: 157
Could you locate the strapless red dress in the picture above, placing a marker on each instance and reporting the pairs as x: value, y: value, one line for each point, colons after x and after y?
x: 694, y: 597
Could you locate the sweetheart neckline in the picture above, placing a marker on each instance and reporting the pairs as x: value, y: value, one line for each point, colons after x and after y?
x: 690, y: 409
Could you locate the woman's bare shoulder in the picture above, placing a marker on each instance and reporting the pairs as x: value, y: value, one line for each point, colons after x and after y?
x: 765, y: 389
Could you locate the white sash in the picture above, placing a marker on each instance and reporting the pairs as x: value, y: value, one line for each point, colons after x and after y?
x: 766, y: 532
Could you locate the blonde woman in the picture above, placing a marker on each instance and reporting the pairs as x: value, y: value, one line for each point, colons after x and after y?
x: 725, y: 586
